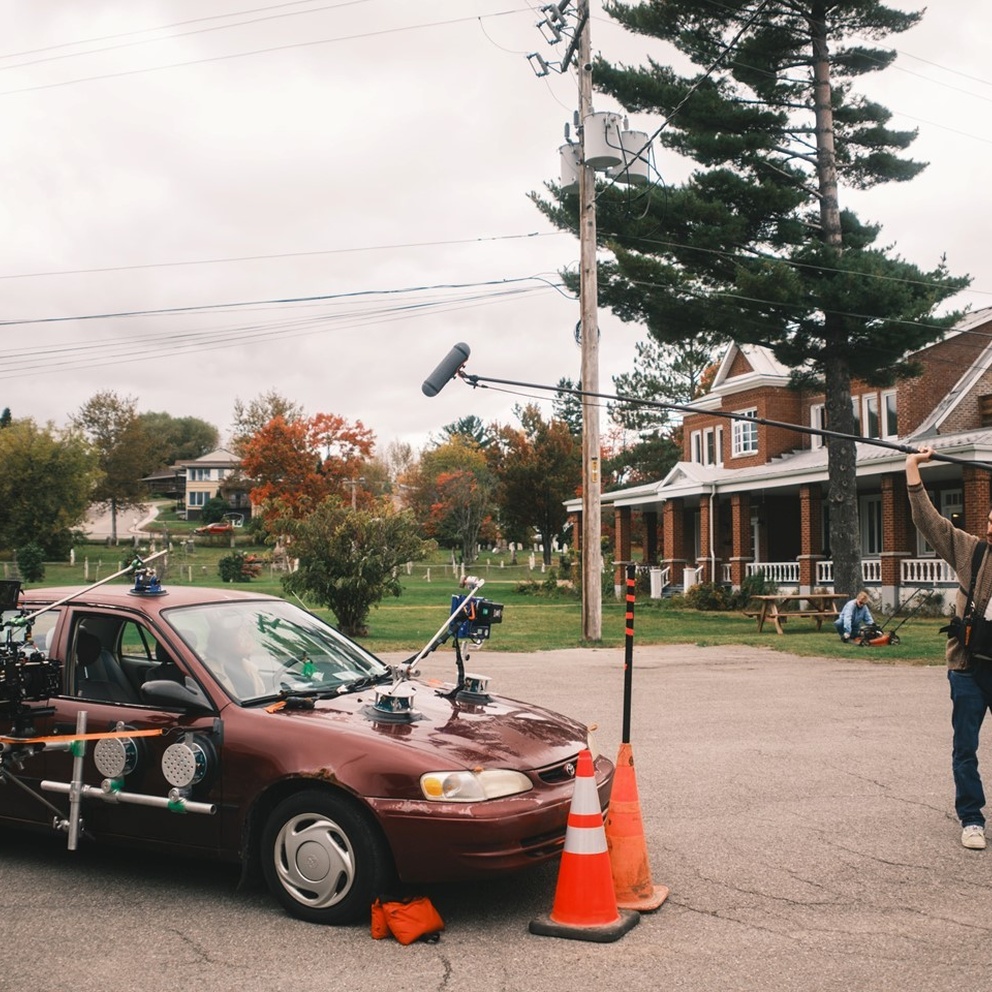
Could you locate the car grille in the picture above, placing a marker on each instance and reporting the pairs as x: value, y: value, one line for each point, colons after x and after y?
x: 564, y: 771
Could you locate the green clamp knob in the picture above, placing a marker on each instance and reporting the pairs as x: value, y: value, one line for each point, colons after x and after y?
x: 77, y: 749
x: 177, y: 806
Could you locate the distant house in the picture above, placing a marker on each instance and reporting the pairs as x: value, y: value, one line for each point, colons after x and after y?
x: 752, y: 497
x: 214, y: 474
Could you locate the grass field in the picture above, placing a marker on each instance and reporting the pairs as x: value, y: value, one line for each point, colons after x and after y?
x: 531, y: 622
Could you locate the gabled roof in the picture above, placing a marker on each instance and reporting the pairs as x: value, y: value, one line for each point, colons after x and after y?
x: 764, y: 370
x: 218, y: 458
x: 930, y: 426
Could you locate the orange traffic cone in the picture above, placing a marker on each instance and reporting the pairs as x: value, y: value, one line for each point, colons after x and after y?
x: 585, y: 906
x: 625, y: 840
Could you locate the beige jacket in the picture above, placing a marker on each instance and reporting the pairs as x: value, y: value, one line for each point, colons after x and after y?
x: 956, y: 547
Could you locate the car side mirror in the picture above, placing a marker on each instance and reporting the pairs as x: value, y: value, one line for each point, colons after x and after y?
x: 166, y: 692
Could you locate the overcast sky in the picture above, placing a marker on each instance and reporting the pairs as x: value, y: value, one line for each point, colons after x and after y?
x: 331, y: 194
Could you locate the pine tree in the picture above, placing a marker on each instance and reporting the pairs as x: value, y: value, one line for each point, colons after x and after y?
x: 754, y: 246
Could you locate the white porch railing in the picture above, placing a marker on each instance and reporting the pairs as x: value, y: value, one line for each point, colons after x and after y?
x: 926, y: 572
x: 912, y: 572
x: 782, y: 573
x: 871, y: 572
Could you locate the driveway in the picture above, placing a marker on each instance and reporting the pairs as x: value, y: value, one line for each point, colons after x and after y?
x: 799, y: 809
x: 131, y: 521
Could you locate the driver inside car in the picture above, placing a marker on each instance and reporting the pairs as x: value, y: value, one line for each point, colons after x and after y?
x: 229, y: 653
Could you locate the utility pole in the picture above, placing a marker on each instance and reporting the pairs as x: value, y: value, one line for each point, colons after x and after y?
x: 592, y: 550
x: 625, y: 157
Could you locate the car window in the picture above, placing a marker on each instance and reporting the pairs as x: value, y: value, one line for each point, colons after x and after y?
x: 260, y: 648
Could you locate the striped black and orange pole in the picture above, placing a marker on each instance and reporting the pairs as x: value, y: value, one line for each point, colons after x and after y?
x: 628, y: 652
x: 624, y: 827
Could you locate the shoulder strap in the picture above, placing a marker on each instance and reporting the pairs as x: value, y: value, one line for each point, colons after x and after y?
x: 976, y: 563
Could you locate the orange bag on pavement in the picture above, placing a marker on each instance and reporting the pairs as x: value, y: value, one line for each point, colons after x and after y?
x: 380, y: 928
x: 407, y: 920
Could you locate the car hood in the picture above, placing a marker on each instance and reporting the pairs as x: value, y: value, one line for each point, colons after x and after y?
x: 501, y: 732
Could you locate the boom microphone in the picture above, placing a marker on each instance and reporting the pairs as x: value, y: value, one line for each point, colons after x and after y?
x: 449, y: 367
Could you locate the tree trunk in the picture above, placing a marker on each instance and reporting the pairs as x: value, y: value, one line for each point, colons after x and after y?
x: 842, y: 493
x: 113, y: 521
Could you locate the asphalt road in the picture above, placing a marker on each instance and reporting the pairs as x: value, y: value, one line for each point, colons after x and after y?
x: 98, y: 524
x: 799, y: 809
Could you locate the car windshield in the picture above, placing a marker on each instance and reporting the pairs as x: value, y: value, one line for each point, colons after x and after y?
x: 262, y: 648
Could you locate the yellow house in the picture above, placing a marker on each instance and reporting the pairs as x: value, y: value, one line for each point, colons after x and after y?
x: 211, y: 475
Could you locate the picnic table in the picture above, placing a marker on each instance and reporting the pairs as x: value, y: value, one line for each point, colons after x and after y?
x: 819, y: 606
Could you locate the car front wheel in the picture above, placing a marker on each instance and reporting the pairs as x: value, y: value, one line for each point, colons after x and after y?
x: 323, y: 858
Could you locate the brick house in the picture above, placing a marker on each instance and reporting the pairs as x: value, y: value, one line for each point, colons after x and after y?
x: 753, y: 496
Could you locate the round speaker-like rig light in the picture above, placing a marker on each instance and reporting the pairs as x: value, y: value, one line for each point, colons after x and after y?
x: 115, y: 758
x: 186, y: 763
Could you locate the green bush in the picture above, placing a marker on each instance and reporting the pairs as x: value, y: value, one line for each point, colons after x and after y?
x: 239, y: 567
x: 31, y: 562
x: 707, y: 596
x: 214, y: 510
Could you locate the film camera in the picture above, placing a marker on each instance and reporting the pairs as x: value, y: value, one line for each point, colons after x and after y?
x: 26, y: 675
x: 471, y: 618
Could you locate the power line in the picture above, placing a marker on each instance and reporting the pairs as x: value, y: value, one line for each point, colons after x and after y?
x: 268, y: 302
x: 166, y: 27
x: 291, y: 254
x: 257, y: 51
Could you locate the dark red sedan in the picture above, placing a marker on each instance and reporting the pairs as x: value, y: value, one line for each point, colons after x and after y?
x: 239, y: 726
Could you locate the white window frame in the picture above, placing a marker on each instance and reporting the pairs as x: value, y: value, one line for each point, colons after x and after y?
x: 744, y: 435
x: 710, y: 456
x: 870, y: 411
x: 696, y: 447
x: 871, y: 526
x: 197, y: 497
x: 890, y: 414
x: 719, y: 446
x: 818, y: 421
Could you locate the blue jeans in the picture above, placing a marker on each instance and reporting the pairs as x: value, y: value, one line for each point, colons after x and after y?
x: 971, y: 696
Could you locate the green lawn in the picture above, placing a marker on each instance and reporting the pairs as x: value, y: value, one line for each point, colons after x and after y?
x: 531, y: 622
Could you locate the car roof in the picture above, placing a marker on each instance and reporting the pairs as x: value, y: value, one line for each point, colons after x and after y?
x: 121, y: 596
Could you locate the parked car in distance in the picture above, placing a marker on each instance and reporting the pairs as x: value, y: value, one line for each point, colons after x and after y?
x: 217, y: 527
x: 293, y: 751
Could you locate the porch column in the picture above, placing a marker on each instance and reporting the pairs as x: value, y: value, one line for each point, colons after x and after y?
x: 651, y: 537
x: 673, y: 531
x: 811, y: 535
x: 708, y: 521
x: 740, y: 525
x: 896, y: 528
x: 576, y: 519
x: 977, y: 499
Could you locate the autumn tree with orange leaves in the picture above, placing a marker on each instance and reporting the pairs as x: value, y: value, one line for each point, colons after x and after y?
x: 295, y: 464
x: 452, y: 493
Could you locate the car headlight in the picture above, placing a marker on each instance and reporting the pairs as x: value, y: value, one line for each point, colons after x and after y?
x: 473, y: 787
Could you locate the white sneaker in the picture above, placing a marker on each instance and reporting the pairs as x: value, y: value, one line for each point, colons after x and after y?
x: 973, y: 837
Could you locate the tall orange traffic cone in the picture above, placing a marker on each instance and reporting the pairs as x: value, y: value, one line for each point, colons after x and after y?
x: 585, y: 906
x: 625, y: 839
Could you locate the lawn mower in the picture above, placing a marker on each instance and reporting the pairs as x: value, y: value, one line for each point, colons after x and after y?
x: 875, y: 635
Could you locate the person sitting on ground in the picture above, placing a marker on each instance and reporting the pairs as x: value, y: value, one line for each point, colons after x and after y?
x: 854, y: 616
